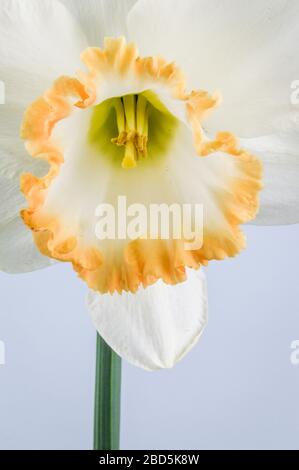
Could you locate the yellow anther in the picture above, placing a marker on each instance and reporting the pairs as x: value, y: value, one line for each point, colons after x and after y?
x: 141, y: 145
x: 121, y: 139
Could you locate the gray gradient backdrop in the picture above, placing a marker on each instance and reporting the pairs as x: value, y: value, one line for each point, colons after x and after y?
x: 236, y: 390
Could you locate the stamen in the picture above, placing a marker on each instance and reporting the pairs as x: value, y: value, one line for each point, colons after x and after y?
x: 120, y: 115
x: 121, y: 123
x: 142, y: 125
x: 145, y: 127
x: 145, y: 132
x: 132, y: 123
x: 141, y: 109
x: 130, y: 112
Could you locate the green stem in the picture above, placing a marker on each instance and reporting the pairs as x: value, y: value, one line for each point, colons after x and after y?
x: 107, y: 398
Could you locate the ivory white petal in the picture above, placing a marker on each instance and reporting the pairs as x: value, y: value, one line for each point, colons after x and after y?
x: 17, y: 250
x: 20, y: 254
x: 157, y: 326
x: 279, y: 202
x: 38, y: 42
x: 100, y: 18
x: 245, y: 49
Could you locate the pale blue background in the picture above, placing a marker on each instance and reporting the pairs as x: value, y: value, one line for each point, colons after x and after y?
x: 236, y: 390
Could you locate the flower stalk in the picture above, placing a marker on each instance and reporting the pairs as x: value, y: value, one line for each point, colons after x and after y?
x: 107, y: 398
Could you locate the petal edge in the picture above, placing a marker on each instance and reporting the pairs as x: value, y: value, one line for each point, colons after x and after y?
x: 156, y: 327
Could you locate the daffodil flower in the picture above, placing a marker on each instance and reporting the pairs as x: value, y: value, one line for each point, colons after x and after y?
x: 170, y: 101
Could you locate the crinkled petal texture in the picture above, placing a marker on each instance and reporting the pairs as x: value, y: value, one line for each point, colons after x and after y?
x: 245, y: 49
x: 84, y: 172
x: 157, y: 326
x: 38, y: 41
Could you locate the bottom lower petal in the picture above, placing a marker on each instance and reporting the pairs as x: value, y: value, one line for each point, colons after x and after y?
x: 156, y: 327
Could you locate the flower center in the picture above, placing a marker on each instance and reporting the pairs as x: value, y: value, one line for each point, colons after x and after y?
x: 132, y: 123
x: 132, y: 129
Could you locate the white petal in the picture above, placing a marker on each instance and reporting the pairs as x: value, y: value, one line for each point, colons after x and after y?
x: 280, y: 197
x: 100, y: 18
x: 38, y: 41
x: 244, y: 49
x: 17, y: 250
x: 157, y: 326
x: 18, y: 254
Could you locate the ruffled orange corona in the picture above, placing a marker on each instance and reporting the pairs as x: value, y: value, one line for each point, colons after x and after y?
x: 128, y: 127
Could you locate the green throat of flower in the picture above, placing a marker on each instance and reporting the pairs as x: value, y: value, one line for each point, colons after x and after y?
x: 132, y: 129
